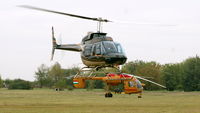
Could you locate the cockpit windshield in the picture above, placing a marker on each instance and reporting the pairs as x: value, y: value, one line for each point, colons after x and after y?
x: 119, y: 48
x: 139, y: 85
x: 111, y: 47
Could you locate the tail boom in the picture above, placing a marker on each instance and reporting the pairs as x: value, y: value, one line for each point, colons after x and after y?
x: 68, y: 47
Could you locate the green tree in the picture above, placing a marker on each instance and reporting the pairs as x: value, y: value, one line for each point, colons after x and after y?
x: 71, y: 71
x: 149, y: 70
x: 20, y: 84
x: 55, y: 76
x: 69, y: 74
x: 1, y: 82
x: 7, y: 82
x: 90, y: 84
x: 131, y: 67
x: 99, y: 84
x: 191, y: 79
x: 56, y: 72
x: 42, y: 77
x: 172, y: 76
x: 61, y: 84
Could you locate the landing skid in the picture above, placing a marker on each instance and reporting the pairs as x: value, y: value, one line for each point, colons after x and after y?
x: 92, y: 71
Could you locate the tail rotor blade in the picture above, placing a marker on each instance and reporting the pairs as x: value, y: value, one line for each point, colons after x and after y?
x: 54, y: 44
x: 52, y: 54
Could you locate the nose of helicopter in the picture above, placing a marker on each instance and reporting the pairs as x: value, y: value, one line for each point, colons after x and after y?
x: 116, y: 59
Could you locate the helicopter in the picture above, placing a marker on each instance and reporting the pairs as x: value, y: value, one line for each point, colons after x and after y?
x: 99, y: 51
x: 131, y: 83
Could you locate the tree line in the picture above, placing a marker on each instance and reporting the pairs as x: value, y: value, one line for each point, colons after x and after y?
x: 177, y: 76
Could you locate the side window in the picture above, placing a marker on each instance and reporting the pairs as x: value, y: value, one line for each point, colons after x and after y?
x: 131, y: 84
x: 87, y: 51
x: 119, y: 48
x: 98, y: 49
x: 139, y: 85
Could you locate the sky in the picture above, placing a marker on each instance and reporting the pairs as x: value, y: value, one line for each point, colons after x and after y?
x: 149, y: 30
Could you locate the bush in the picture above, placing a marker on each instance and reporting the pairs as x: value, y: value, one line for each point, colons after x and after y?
x: 60, y: 84
x: 1, y: 82
x: 20, y: 84
x: 191, y: 76
x: 70, y: 88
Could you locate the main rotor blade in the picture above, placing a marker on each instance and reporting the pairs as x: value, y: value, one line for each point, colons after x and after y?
x: 68, y: 14
x: 149, y: 81
x: 146, y: 24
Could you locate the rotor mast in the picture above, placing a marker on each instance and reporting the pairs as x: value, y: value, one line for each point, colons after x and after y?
x: 99, y: 25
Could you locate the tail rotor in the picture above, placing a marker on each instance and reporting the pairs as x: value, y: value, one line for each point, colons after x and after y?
x: 54, y: 44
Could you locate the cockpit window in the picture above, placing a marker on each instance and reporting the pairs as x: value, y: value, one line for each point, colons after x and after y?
x: 119, y: 48
x: 98, y: 35
x: 87, y: 51
x: 139, y: 85
x: 109, y: 47
x: 96, y: 49
x: 131, y: 84
x: 112, y: 47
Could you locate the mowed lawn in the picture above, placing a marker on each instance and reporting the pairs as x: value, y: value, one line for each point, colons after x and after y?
x: 82, y: 101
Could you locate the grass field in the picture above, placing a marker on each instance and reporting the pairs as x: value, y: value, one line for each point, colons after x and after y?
x: 82, y: 101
